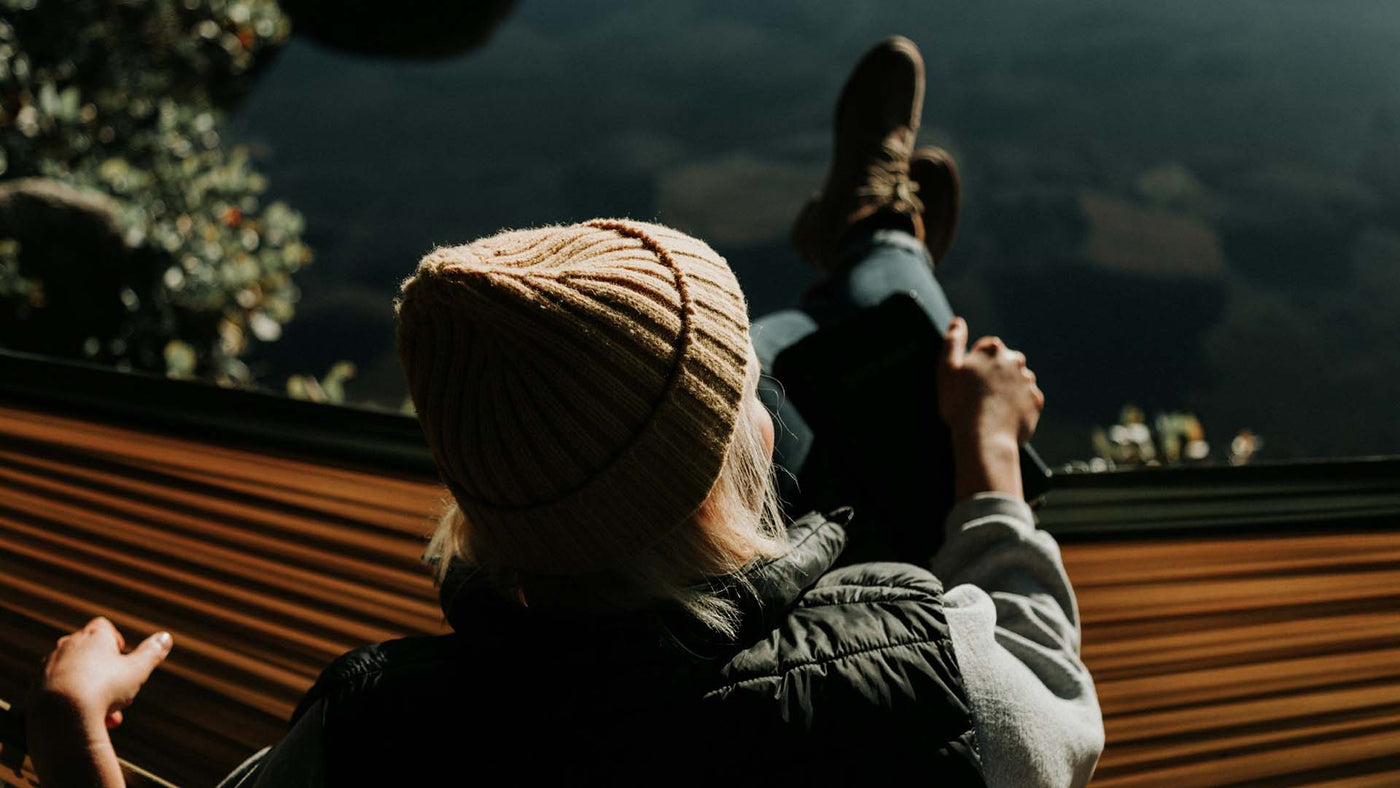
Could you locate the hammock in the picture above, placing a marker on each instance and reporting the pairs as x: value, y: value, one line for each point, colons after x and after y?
x: 1242, y: 624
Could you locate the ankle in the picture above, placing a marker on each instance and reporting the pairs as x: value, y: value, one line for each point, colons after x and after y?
x: 881, y: 220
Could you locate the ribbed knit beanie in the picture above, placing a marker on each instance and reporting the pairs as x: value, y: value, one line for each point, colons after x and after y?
x: 578, y: 385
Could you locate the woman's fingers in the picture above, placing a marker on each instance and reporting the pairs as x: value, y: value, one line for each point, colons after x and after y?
x: 145, y: 658
x: 103, y: 627
x: 989, y: 345
x: 955, y: 343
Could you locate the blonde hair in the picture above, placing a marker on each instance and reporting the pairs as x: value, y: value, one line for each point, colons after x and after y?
x: 740, y: 521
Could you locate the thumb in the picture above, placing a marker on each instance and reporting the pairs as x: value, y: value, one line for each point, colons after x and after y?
x: 145, y: 658
x: 955, y: 343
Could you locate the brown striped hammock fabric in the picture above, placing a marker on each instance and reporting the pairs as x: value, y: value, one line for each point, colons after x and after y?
x: 1242, y: 625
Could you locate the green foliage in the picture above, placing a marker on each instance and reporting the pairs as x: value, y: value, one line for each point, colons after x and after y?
x: 126, y: 98
x: 330, y: 388
x: 1173, y: 438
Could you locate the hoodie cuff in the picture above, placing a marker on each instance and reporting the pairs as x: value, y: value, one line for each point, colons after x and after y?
x: 990, y: 504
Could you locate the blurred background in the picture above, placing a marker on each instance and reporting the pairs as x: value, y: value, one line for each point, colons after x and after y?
x: 1186, y: 214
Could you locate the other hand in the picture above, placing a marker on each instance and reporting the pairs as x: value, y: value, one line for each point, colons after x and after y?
x: 988, y: 397
x: 88, y: 675
x: 87, y: 682
x: 986, y: 391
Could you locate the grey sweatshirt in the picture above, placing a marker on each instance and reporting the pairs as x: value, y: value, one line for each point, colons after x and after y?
x: 1015, y: 630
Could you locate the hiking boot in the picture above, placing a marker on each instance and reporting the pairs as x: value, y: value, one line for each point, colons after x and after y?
x: 935, y: 174
x: 869, y: 184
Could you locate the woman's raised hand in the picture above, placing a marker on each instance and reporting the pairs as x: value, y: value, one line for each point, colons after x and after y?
x: 988, y: 397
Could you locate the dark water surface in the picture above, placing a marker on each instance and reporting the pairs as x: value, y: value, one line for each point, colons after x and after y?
x: 1187, y: 206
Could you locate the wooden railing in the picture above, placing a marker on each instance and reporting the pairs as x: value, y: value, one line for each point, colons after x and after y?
x: 1242, y: 625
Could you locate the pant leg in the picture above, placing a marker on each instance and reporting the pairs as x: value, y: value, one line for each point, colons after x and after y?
x: 792, y: 438
x: 871, y: 269
x: 874, y: 268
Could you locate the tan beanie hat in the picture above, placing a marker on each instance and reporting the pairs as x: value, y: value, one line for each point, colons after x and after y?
x: 579, y: 386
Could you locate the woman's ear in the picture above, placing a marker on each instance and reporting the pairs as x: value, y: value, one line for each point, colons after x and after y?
x: 763, y: 424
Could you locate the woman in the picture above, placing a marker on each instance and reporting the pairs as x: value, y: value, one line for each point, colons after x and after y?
x: 627, y: 600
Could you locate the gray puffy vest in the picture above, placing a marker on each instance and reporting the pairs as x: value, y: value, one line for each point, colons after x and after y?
x: 838, y: 674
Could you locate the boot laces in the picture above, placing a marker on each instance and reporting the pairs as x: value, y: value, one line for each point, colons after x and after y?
x: 887, y: 181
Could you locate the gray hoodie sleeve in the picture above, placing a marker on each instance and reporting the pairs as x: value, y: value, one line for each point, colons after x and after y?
x: 1015, y: 631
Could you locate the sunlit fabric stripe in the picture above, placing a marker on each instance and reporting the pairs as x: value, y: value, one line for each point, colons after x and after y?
x: 1263, y: 658
x: 263, y: 567
x: 1228, y: 660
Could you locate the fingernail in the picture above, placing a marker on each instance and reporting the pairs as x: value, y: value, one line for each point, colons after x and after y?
x: 163, y: 638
